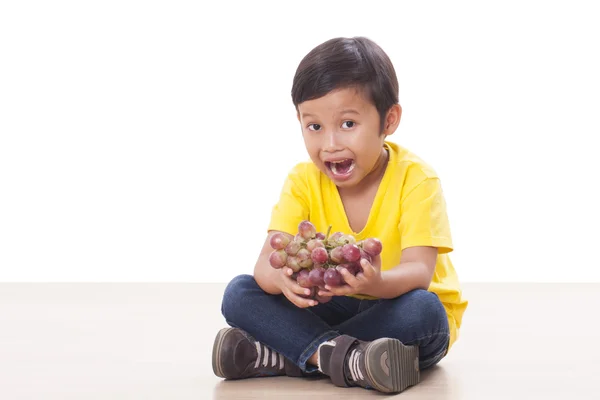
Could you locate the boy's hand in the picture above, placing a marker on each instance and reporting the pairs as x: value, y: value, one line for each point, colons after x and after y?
x: 292, y: 291
x: 362, y: 283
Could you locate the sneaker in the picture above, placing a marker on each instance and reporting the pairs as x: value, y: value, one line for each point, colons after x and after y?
x: 237, y: 355
x: 384, y: 364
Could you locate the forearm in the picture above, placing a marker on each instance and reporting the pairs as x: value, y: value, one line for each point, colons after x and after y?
x: 265, y: 276
x: 401, y: 279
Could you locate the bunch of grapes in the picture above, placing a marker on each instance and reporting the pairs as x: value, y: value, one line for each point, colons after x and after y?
x: 317, y: 258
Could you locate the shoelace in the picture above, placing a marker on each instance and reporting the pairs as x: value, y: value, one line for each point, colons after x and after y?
x: 263, y: 351
x: 354, y: 365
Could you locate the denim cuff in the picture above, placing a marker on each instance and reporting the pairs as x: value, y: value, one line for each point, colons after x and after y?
x: 310, y: 350
x: 436, y: 358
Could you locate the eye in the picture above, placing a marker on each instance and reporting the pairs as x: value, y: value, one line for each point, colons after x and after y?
x: 316, y: 125
x: 349, y: 122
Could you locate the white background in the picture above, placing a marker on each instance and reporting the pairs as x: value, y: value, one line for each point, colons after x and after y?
x: 148, y: 141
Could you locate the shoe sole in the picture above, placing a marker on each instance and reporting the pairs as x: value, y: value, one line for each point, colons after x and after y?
x: 216, y: 360
x: 391, y: 366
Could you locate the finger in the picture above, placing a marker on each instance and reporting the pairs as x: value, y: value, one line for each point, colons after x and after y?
x: 325, y: 293
x: 300, y: 301
x: 368, y: 268
x: 364, y: 280
x: 348, y: 277
x: 340, y: 290
x: 322, y: 300
x: 376, y: 261
x: 372, y: 270
x: 294, y: 287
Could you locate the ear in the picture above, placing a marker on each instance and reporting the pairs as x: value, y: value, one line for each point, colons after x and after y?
x: 392, y: 119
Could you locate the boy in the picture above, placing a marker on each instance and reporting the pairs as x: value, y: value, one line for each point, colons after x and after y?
x: 402, y: 313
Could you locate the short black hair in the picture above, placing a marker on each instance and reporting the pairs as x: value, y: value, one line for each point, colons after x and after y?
x: 340, y: 63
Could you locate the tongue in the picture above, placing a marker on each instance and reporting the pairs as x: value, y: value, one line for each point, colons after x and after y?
x: 343, y: 167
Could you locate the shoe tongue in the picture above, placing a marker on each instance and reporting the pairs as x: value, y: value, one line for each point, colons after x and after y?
x: 247, y: 352
x: 352, y: 364
x: 325, y: 351
x: 334, y: 358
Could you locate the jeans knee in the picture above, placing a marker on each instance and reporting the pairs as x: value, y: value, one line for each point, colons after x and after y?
x: 235, y: 295
x: 428, y: 311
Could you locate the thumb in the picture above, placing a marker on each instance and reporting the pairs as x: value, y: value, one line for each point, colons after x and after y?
x: 368, y: 268
x: 376, y: 261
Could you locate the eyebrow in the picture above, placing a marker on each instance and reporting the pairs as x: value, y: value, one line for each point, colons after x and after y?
x: 346, y: 111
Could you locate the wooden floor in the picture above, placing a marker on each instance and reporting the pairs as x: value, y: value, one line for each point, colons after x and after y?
x: 154, y: 341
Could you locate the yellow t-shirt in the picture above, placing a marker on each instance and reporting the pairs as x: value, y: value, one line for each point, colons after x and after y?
x: 409, y: 210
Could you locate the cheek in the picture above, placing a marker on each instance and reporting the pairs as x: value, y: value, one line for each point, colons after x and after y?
x: 312, y: 147
x: 369, y: 154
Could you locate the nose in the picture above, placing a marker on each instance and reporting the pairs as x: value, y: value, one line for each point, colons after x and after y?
x: 332, y: 142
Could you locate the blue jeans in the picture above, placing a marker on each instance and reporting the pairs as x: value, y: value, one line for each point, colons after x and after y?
x: 415, y: 318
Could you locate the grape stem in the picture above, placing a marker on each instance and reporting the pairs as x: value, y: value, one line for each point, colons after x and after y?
x: 328, y: 230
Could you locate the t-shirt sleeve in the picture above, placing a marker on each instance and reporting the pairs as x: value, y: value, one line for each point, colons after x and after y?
x: 423, y: 217
x: 292, y: 207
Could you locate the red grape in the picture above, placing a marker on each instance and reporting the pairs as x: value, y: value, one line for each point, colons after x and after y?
x: 354, y: 267
x: 307, y: 230
x: 364, y: 254
x: 303, y: 280
x: 337, y: 255
x: 373, y: 246
x: 313, y: 293
x: 303, y: 254
x: 292, y: 262
x: 304, y: 259
x: 332, y: 277
x: 333, y: 239
x: 278, y: 258
x: 279, y: 240
x: 345, y: 239
x: 339, y: 269
x: 317, y: 260
x: 319, y: 255
x: 336, y: 235
x: 313, y: 244
x: 316, y: 276
x: 351, y: 252
x: 292, y: 248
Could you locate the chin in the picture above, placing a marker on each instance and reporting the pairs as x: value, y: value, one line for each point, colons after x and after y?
x: 348, y: 183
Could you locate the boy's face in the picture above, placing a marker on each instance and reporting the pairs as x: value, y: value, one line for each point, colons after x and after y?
x: 341, y: 134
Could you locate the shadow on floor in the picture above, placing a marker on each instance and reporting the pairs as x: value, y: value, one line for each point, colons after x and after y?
x: 432, y: 380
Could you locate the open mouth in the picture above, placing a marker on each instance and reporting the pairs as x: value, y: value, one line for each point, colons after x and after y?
x: 341, y: 168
